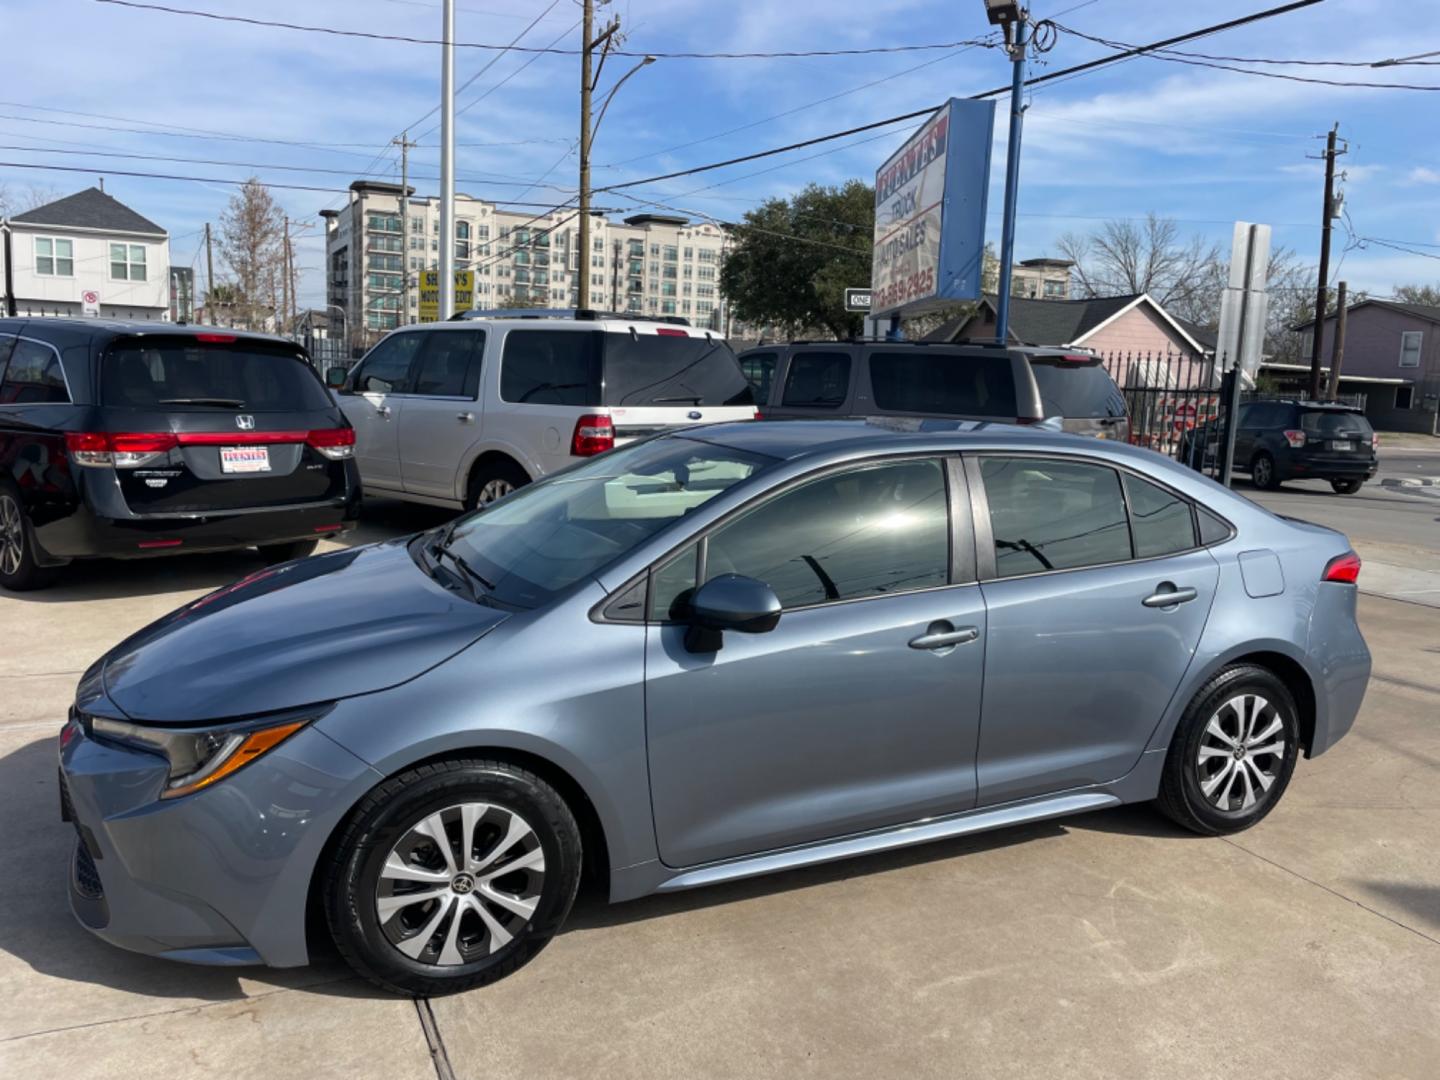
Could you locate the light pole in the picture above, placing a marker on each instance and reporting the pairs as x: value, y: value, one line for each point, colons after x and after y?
x: 1010, y: 16
x: 344, y: 338
x: 447, y: 167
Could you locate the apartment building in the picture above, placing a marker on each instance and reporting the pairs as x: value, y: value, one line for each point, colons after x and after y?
x: 652, y: 264
x: 1041, y: 279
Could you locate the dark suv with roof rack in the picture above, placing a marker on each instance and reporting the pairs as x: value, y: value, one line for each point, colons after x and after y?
x: 134, y: 439
x: 920, y: 379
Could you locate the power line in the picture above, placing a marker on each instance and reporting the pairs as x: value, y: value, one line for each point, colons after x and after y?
x: 370, y: 35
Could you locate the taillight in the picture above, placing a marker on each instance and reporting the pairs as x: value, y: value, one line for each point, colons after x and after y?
x: 594, y: 434
x: 1343, y: 568
x: 758, y: 415
x: 337, y: 444
x: 123, y: 449
x: 1374, y: 440
x: 1296, y: 439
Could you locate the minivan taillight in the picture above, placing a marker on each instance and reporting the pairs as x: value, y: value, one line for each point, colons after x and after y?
x: 1344, y: 569
x: 1296, y: 439
x: 122, y: 449
x: 594, y: 434
x: 337, y: 444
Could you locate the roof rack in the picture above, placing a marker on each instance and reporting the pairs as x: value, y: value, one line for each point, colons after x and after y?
x: 581, y: 314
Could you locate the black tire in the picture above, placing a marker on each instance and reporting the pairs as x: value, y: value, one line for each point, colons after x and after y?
x: 493, y: 480
x: 388, y: 817
x: 296, y: 549
x: 18, y: 569
x: 1346, y: 487
x: 1183, y: 797
x: 1262, y: 472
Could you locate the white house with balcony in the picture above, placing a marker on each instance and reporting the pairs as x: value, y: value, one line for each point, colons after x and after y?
x: 85, y: 254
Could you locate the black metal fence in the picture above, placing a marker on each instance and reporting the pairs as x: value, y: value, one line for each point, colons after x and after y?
x: 1176, y: 403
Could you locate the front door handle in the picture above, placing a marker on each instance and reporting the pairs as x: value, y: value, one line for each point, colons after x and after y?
x: 942, y: 635
x: 1167, y: 595
x: 465, y: 417
x: 382, y: 410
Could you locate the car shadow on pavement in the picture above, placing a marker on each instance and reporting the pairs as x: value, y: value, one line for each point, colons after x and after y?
x: 124, y: 579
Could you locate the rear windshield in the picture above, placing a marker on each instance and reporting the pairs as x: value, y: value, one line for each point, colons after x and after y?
x: 558, y: 367
x: 944, y: 384
x: 1076, y: 391
x: 182, y: 373
x: 1318, y: 422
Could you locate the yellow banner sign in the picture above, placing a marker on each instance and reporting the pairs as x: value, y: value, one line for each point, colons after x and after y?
x: 430, y: 293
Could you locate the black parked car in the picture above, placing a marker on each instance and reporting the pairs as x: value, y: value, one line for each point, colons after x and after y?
x: 932, y: 379
x: 1281, y: 440
x: 135, y: 439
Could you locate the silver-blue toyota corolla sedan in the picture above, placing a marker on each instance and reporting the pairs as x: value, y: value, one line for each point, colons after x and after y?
x: 712, y: 654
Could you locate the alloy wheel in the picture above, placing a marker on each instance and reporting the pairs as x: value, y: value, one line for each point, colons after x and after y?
x: 460, y: 884
x: 1261, y: 472
x: 1241, y: 754
x: 12, y: 535
x: 492, y: 490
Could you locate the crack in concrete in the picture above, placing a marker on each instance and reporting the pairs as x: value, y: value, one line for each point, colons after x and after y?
x: 431, y: 1028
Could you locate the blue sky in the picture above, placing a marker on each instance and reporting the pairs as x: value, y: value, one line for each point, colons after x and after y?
x: 1203, y: 146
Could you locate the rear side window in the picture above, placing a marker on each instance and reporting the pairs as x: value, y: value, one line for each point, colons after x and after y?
x: 1076, y: 391
x: 33, y: 376
x: 185, y: 373
x: 6, y: 344
x: 923, y: 381
x: 551, y: 367
x: 386, y: 370
x: 1327, y: 424
x: 671, y: 369
x: 1053, y: 515
x: 1159, y: 521
x: 818, y: 380
x: 1212, y: 529
x: 759, y: 370
x: 450, y: 363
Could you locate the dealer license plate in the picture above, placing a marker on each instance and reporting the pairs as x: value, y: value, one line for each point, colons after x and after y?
x: 1341, y: 444
x: 244, y: 459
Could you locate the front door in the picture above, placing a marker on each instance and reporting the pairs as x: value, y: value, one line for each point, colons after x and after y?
x: 1097, y: 597
x: 442, y: 418
x: 849, y: 715
x: 373, y: 401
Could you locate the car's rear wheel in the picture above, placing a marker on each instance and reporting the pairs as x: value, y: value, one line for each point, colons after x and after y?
x: 452, y: 875
x: 1262, y: 472
x: 1346, y: 487
x: 1233, y: 753
x: 493, y: 480
x: 296, y: 549
x: 18, y: 569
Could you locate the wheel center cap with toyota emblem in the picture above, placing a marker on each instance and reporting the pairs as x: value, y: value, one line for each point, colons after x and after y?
x: 245, y: 422
x: 462, y: 884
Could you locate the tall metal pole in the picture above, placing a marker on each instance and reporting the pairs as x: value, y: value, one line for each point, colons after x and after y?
x: 587, y: 28
x: 447, y: 164
x: 209, y: 277
x: 1337, y: 353
x: 1012, y: 178
x: 1322, y: 296
x: 405, y: 145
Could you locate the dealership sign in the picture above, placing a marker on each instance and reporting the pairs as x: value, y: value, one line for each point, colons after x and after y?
x: 430, y: 293
x: 930, y: 212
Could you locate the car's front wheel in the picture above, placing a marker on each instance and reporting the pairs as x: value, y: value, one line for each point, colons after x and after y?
x: 452, y: 875
x: 1346, y: 487
x: 1233, y: 753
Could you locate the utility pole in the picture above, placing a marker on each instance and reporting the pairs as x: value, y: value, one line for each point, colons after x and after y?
x: 209, y: 276
x: 1327, y: 214
x: 405, y: 147
x: 1337, y: 352
x: 284, y: 279
x: 294, y: 286
x: 447, y: 164
x: 1015, y: 43
x: 588, y: 45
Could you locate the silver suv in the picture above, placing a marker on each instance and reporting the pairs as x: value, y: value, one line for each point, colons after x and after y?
x: 463, y: 412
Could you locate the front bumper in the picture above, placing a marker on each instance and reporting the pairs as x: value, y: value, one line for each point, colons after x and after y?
x: 218, y: 877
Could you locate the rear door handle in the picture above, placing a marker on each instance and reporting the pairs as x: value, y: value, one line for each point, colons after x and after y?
x: 465, y: 417
x: 937, y: 638
x: 382, y: 410
x: 1167, y: 595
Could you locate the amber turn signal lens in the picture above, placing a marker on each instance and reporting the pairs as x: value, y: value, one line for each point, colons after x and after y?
x: 251, y: 747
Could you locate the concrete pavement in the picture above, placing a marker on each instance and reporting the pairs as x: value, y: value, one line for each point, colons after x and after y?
x: 1106, y: 945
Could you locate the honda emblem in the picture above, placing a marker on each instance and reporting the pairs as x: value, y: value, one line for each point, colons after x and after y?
x: 245, y: 423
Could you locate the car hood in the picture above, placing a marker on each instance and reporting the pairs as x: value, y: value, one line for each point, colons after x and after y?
x: 333, y: 626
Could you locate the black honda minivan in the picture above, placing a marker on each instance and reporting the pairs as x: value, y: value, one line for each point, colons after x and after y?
x: 126, y: 440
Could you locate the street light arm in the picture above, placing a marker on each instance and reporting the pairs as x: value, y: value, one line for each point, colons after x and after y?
x: 604, y: 105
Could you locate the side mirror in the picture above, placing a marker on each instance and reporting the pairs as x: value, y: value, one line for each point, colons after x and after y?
x: 335, y: 377
x: 730, y: 602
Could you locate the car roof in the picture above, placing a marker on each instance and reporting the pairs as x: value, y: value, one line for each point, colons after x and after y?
x: 135, y: 326
x: 1328, y: 406
x: 790, y: 439
x: 976, y: 348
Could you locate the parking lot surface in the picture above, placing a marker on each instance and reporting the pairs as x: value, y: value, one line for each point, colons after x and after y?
x: 1106, y: 945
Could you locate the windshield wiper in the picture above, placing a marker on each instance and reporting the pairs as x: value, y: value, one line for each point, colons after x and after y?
x: 234, y: 403
x: 469, y: 571
x: 694, y: 399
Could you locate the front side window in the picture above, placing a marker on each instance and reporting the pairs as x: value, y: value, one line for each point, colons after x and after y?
x: 818, y: 380
x: 387, y: 369
x: 33, y: 376
x: 551, y: 534
x: 1053, y: 515
x: 54, y: 257
x: 869, y: 531
x: 927, y: 382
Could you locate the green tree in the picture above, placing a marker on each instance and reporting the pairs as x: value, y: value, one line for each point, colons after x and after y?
x: 791, y: 260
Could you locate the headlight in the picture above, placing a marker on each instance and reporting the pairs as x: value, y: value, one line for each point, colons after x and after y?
x: 199, y: 757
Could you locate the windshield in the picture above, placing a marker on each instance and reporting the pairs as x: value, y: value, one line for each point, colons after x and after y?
x: 548, y: 536
x: 1327, y: 423
x: 184, y: 373
x: 1076, y: 391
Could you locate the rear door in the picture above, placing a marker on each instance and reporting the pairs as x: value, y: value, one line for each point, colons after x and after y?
x: 216, y: 422
x: 1082, y: 651
x: 441, y: 418
x: 374, y: 400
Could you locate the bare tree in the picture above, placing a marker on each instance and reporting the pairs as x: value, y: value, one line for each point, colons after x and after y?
x: 251, y: 227
x: 34, y: 195
x: 1425, y: 295
x: 1125, y: 257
